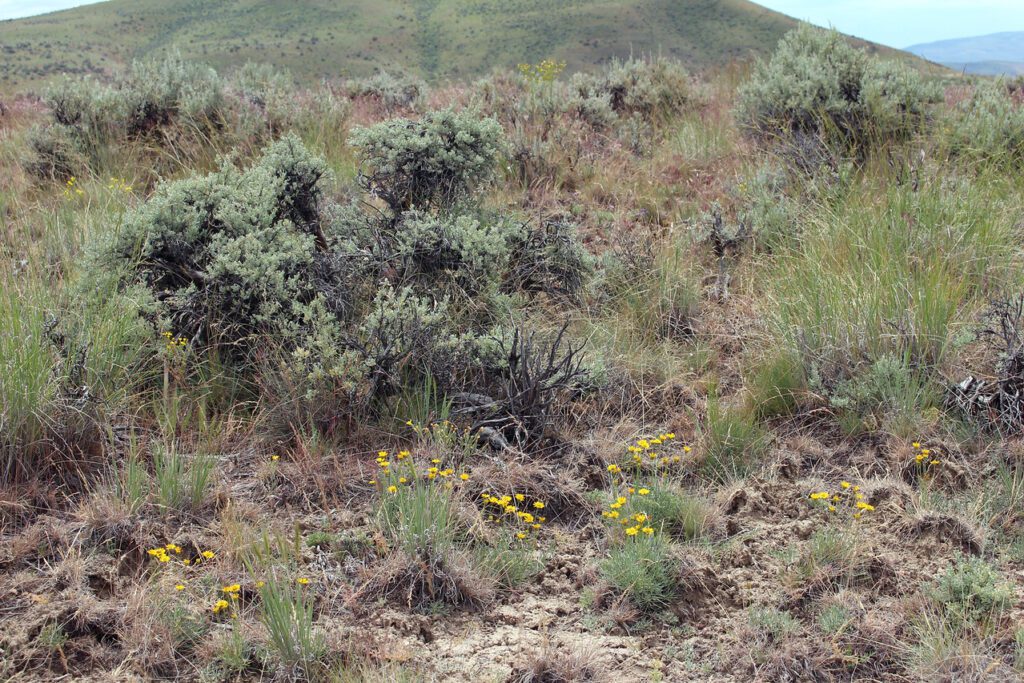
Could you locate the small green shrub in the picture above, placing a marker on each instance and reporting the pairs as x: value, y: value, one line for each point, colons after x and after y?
x: 550, y: 258
x: 818, y: 85
x: 643, y: 570
x: 233, y: 652
x: 834, y: 618
x: 268, y: 98
x: 90, y: 121
x: 402, y: 91
x: 972, y: 592
x: 651, y: 88
x: 768, y: 210
x: 55, y: 154
x: 229, y: 254
x: 473, y: 251
x: 887, y: 392
x: 987, y: 126
x: 160, y: 91
x: 430, y: 163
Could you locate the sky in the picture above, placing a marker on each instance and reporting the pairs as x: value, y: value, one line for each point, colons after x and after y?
x: 902, y: 23
x: 11, y: 9
x: 899, y: 23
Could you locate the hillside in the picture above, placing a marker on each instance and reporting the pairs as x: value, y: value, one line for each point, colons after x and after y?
x: 991, y: 55
x: 439, y: 39
x: 636, y: 375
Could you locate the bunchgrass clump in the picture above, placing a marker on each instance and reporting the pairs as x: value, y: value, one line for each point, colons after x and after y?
x: 642, y: 568
x: 286, y: 610
x: 181, y: 482
x: 771, y: 624
x: 841, y: 297
x: 438, y: 556
x: 731, y: 441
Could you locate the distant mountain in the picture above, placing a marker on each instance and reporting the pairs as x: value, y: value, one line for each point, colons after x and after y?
x: 991, y: 55
x: 437, y: 39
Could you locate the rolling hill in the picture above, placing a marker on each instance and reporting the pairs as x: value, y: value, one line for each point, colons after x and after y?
x: 438, y: 39
x: 991, y: 55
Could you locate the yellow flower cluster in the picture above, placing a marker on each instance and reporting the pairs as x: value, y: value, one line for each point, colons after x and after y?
x: 71, y: 189
x: 542, y: 72
x: 516, y: 509
x: 848, y: 497
x: 626, y: 511
x: 232, y: 596
x: 120, y: 185
x: 405, y: 471
x: 174, y: 343
x: 651, y: 453
x: 164, y: 554
x: 924, y: 458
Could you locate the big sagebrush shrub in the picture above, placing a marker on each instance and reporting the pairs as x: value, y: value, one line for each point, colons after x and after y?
x: 430, y: 163
x: 158, y: 92
x: 989, y: 125
x: 90, y: 120
x: 472, y: 250
x: 401, y: 91
x: 228, y: 255
x: 817, y: 85
x: 650, y: 88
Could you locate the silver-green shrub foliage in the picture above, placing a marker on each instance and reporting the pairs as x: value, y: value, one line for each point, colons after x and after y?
x: 650, y: 88
x: 433, y: 162
x: 476, y: 251
x: 989, y: 125
x: 401, y: 91
x: 159, y: 91
x: 229, y: 254
x: 972, y: 591
x: 353, y: 303
x: 88, y: 117
x: 817, y: 84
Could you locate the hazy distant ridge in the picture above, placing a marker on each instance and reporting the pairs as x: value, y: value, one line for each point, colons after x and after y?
x: 998, y: 53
